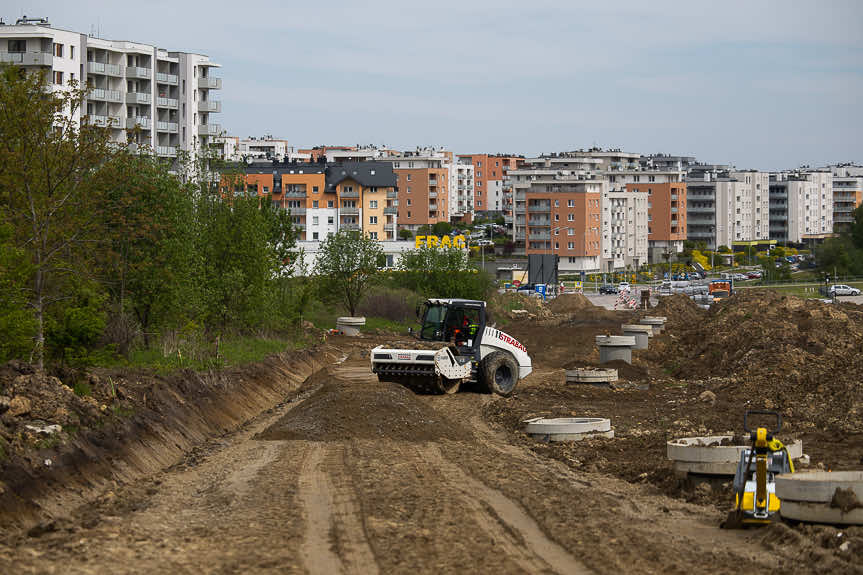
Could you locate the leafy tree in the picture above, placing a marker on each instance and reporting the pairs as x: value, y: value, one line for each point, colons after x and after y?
x: 406, y: 234
x: 16, y: 322
x: 49, y: 185
x: 441, y: 272
x: 857, y: 228
x: 441, y: 228
x: 347, y: 263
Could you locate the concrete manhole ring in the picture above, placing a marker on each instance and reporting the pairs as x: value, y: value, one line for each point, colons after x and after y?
x: 822, y: 497
x: 568, y: 428
x: 705, y: 455
x: 591, y: 375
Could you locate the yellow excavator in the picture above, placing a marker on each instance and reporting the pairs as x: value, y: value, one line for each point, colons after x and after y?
x: 755, y: 500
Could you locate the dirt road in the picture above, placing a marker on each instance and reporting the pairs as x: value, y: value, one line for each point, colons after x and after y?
x: 353, y: 476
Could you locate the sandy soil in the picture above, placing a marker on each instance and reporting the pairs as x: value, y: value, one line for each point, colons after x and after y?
x: 369, y: 498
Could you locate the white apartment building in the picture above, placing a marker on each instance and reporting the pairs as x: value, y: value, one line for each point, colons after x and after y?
x: 801, y: 205
x: 461, y: 189
x: 266, y: 147
x: 147, y: 95
x: 847, y: 194
x: 751, y: 205
x: 624, y: 230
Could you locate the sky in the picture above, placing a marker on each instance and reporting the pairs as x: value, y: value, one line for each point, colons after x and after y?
x: 761, y: 84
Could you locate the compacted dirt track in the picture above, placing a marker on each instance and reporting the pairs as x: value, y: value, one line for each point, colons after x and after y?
x: 353, y: 476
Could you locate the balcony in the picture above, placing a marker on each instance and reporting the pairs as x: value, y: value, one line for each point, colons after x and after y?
x: 391, y: 210
x: 210, y: 83
x: 138, y: 98
x: 163, y: 78
x: 138, y: 72
x: 673, y: 197
x: 539, y: 208
x: 673, y: 210
x: 28, y: 58
x: 104, y: 69
x: 539, y: 221
x: 540, y: 236
x: 392, y: 195
x: 351, y: 227
x: 169, y: 151
x: 142, y: 121
x: 700, y: 210
x: 170, y: 103
x: 432, y: 206
x: 294, y: 192
x: 296, y: 211
x: 349, y: 211
x: 432, y: 195
x: 350, y: 193
x: 209, y: 130
x: 170, y: 127
x: 214, y: 106
x: 104, y: 121
x: 100, y: 95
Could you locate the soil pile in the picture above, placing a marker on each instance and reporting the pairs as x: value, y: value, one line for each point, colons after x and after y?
x: 680, y: 310
x: 570, y: 303
x: 340, y: 411
x: 784, y: 352
x: 501, y: 307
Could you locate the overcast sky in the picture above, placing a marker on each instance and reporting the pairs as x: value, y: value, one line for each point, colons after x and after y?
x: 761, y: 84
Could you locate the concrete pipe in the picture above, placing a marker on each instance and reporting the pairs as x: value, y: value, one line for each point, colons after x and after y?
x: 594, y: 375
x: 350, y: 325
x: 641, y: 333
x: 569, y: 428
x: 615, y: 347
x: 707, y: 456
x: 822, y: 497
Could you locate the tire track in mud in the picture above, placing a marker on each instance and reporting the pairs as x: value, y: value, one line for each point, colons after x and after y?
x: 505, y: 521
x: 333, y: 521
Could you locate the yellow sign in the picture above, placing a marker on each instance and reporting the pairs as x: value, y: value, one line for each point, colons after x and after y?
x: 436, y: 242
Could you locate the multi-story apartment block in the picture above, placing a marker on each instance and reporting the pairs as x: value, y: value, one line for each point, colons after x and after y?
x: 801, y: 206
x: 144, y: 94
x: 423, y: 187
x: 558, y: 211
x: 265, y: 147
x: 324, y: 198
x: 625, y: 226
x: 847, y: 194
x: 727, y: 206
x: 489, y: 173
x: 461, y: 192
x: 666, y: 162
x: 666, y: 215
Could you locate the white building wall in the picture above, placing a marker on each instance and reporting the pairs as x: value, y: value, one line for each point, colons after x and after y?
x: 326, y: 223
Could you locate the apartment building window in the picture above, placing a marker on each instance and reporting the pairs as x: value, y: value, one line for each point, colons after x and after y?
x: 570, y: 203
x: 184, y: 93
x: 314, y: 203
x: 409, y: 177
x: 556, y: 203
x: 557, y: 217
x: 649, y: 191
x: 409, y: 189
x: 479, y: 174
x: 479, y: 203
x: 373, y: 220
x: 373, y: 204
x: 651, y: 178
x: 409, y: 201
x: 330, y: 204
x: 58, y: 77
x: 58, y: 50
x: 330, y: 220
x: 570, y: 218
x: 409, y: 214
x: 315, y: 220
x: 570, y: 232
x: 71, y: 76
x: 315, y: 235
x: 373, y: 235
x: 314, y: 189
x: 570, y: 246
x: 479, y: 165
x: 557, y: 231
x: 17, y: 45
x: 71, y: 52
x: 636, y: 179
x: 556, y: 245
x: 184, y: 134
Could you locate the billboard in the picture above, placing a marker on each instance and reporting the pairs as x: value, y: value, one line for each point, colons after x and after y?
x: 542, y: 268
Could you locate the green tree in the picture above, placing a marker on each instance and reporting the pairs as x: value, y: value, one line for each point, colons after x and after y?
x: 347, y: 263
x: 441, y: 272
x: 16, y: 322
x: 441, y: 228
x: 406, y: 234
x: 49, y: 185
x: 857, y: 228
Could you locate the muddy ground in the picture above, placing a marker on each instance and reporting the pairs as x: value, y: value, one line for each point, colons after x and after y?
x: 345, y: 474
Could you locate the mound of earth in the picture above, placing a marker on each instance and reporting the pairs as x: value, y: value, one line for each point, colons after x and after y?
x: 784, y: 352
x: 680, y: 310
x: 567, y: 303
x: 341, y: 411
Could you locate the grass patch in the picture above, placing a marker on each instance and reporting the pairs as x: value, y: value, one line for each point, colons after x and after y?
x: 82, y: 389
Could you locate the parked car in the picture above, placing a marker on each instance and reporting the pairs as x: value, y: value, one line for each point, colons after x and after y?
x: 754, y: 275
x: 740, y: 277
x: 842, y: 289
x: 607, y: 288
x: 485, y: 243
x: 623, y: 286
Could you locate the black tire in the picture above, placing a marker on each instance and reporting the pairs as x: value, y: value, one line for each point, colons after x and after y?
x: 498, y: 374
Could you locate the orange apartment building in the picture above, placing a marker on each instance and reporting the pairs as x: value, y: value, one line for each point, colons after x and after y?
x: 324, y: 198
x: 423, y: 182
x: 488, y: 176
x: 563, y: 218
x: 666, y: 215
